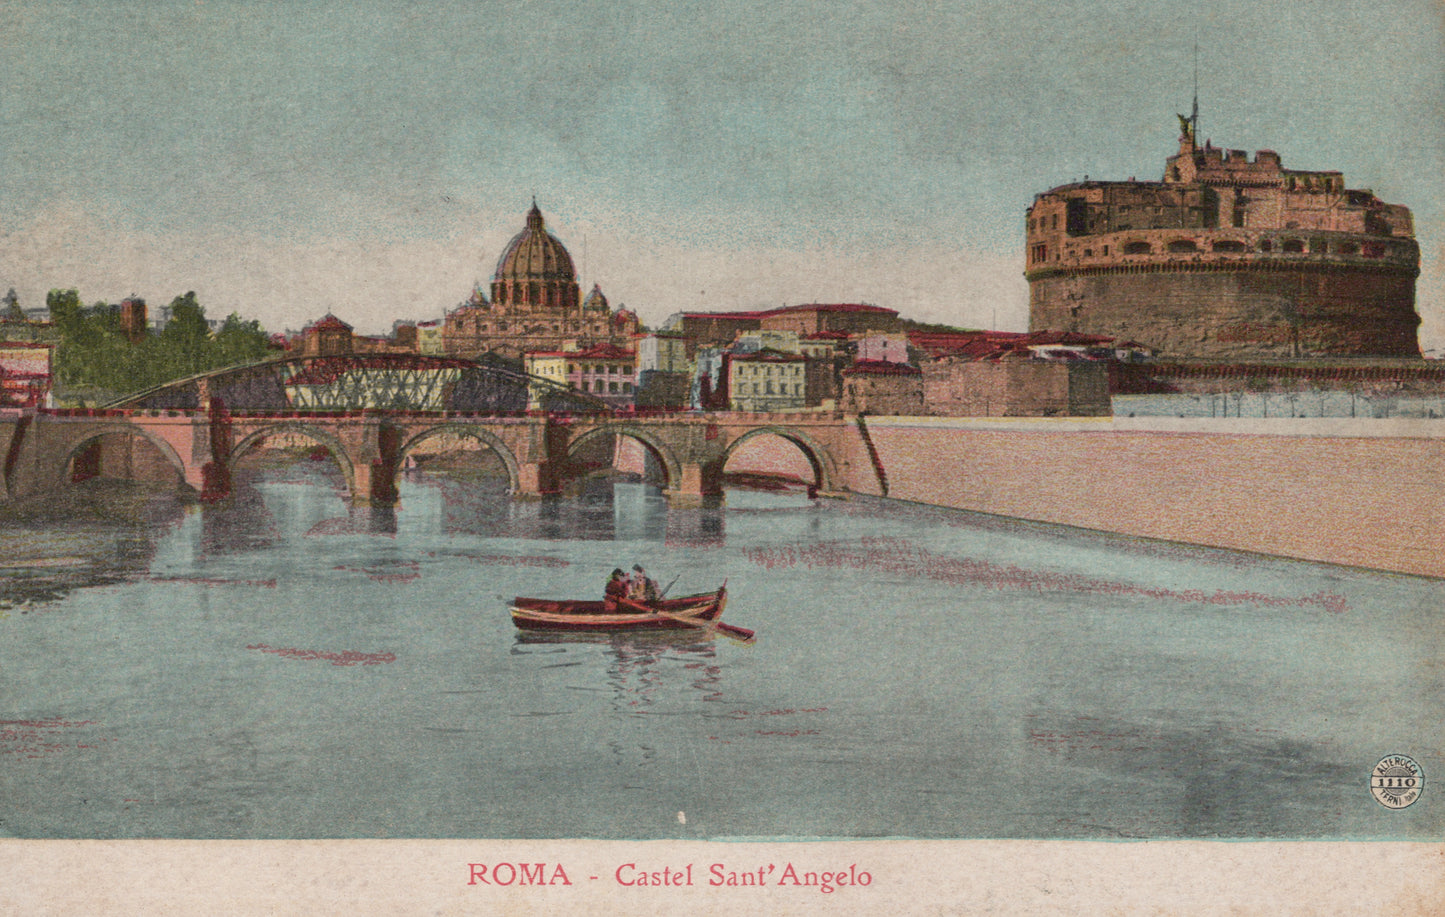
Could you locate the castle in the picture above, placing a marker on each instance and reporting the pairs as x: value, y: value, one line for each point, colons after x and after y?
x: 1226, y: 258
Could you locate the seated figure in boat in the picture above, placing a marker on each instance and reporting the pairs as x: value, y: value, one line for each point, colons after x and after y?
x: 641, y: 587
x: 616, y: 589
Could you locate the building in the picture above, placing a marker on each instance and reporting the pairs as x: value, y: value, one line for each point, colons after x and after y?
x: 662, y: 352
x: 543, y: 366
x: 606, y: 371
x: 664, y: 371
x: 766, y: 380
x: 328, y: 337
x: 1013, y: 384
x: 133, y: 319
x: 26, y: 374
x: 429, y: 338
x: 819, y: 318
x: 883, y: 348
x: 711, y: 329
x: 535, y: 304
x: 28, y: 325
x: 883, y: 387
x: 1226, y: 257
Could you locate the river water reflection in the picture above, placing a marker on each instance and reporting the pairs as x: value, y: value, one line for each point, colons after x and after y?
x: 284, y: 667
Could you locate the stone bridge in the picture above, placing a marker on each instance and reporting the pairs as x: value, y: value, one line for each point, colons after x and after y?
x: 542, y: 452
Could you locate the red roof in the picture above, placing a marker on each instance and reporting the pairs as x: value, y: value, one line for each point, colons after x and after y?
x: 831, y: 307
x: 605, y: 352
x: 1066, y: 337
x: 727, y: 316
x: 770, y: 356
x: 329, y: 323
x: 881, y: 368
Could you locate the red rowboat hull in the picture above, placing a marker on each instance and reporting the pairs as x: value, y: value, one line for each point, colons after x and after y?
x: 553, y: 614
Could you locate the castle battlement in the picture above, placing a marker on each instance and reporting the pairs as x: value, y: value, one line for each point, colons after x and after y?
x: 1331, y: 266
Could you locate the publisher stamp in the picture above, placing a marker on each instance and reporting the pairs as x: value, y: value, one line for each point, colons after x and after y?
x: 1397, y: 781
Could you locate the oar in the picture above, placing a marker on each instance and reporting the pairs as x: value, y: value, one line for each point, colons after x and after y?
x: 741, y: 634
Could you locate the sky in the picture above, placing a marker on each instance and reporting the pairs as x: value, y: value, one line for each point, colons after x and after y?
x: 371, y: 159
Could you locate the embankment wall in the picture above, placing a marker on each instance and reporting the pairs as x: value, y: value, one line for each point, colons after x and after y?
x: 1367, y: 493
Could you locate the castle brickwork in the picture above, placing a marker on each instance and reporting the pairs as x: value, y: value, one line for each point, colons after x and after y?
x: 1226, y: 258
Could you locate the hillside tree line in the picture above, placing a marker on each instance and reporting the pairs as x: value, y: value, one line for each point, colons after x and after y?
x: 94, y: 350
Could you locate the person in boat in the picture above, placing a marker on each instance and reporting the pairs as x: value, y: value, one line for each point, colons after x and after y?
x: 616, y: 589
x: 641, y: 587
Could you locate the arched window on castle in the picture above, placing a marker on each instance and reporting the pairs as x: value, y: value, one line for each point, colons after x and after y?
x: 1183, y: 245
x: 1229, y: 245
x: 1293, y: 246
x: 1137, y: 248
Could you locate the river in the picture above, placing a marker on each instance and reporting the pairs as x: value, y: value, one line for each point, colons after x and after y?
x: 284, y: 667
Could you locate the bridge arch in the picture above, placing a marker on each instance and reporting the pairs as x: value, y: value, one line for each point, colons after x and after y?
x: 73, y: 447
x: 481, y: 435
x: 825, y: 467
x: 666, y: 457
x: 320, y: 437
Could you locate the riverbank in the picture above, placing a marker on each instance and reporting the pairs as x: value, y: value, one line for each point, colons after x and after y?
x: 1364, y: 493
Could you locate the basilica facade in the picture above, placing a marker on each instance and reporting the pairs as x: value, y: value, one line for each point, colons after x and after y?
x: 535, y: 304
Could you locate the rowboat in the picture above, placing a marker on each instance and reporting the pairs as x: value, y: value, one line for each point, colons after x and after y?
x: 689, y: 611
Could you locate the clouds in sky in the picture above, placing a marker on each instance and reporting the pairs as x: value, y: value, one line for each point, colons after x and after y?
x: 371, y: 158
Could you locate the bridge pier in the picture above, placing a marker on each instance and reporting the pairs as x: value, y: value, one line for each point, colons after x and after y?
x: 532, y: 481
x: 692, y: 488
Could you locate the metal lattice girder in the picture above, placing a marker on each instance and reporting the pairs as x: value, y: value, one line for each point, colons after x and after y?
x: 386, y: 382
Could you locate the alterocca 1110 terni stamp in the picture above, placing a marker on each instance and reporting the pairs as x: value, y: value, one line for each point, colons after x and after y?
x: 1397, y: 781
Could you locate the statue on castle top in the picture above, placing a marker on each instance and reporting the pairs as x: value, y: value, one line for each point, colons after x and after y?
x: 1186, y: 129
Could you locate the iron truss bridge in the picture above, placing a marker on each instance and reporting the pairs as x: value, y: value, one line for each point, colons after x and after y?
x: 381, y: 382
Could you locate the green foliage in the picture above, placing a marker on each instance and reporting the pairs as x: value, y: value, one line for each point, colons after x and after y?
x: 95, y: 352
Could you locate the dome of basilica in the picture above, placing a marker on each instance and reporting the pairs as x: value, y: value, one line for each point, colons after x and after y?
x: 535, y: 254
x: 535, y: 270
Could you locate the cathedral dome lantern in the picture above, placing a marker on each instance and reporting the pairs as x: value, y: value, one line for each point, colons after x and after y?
x: 535, y: 272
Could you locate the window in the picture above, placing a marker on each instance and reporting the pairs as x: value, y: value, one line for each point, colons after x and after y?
x: 1229, y: 245
x: 1183, y: 245
x: 1137, y: 248
x: 611, y: 387
x: 627, y: 388
x: 1076, y: 219
x: 1040, y: 252
x: 1293, y: 246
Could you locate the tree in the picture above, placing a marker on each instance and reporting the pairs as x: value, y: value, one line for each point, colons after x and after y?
x: 187, y: 336
x: 241, y: 341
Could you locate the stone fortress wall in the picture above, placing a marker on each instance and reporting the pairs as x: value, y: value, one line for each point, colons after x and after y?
x: 1225, y: 258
